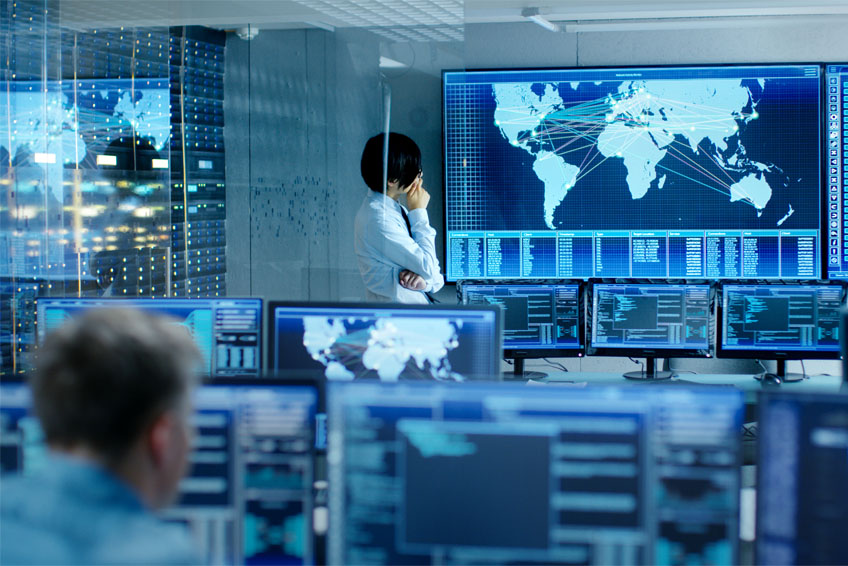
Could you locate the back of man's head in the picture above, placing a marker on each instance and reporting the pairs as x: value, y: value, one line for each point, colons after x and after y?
x: 403, y: 164
x: 103, y: 377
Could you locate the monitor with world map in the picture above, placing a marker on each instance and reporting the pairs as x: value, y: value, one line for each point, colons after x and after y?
x: 660, y: 172
x: 388, y: 342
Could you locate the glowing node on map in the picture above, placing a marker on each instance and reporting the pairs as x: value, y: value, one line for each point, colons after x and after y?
x: 618, y: 153
x: 497, y: 122
x: 755, y: 115
x: 514, y: 142
x: 735, y: 128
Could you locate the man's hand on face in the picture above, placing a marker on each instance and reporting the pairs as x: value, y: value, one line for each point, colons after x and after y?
x: 417, y: 197
x: 411, y: 280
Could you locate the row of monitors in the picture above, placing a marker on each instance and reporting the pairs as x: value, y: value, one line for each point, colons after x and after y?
x: 466, y: 341
x: 664, y: 172
x: 430, y: 473
x: 342, y: 340
x: 768, y: 321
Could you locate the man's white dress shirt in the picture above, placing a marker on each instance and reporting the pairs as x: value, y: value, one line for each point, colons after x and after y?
x: 385, y: 248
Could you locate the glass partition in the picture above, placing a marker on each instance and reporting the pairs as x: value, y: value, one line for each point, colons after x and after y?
x: 195, y: 149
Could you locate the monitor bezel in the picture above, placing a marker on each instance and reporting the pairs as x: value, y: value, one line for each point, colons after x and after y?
x: 635, y: 351
x: 211, y: 374
x: 822, y: 67
x: 271, y: 334
x: 777, y: 354
x: 537, y: 353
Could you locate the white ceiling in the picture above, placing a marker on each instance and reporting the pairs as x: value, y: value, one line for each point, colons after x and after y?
x: 440, y: 20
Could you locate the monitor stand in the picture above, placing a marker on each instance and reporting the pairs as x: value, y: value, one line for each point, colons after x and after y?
x: 518, y: 372
x: 782, y: 374
x: 651, y: 371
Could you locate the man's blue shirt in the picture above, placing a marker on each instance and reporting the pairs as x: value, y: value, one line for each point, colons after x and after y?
x: 72, y: 512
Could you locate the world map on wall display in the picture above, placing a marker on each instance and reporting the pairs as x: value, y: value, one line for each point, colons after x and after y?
x: 657, y: 172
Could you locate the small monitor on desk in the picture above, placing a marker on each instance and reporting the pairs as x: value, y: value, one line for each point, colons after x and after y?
x: 802, y: 483
x: 427, y: 473
x: 227, y: 331
x: 650, y: 321
x: 780, y: 322
x: 247, y: 498
x: 385, y: 341
x: 541, y: 320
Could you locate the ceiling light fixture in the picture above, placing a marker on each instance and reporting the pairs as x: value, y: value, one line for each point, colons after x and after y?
x: 534, y: 16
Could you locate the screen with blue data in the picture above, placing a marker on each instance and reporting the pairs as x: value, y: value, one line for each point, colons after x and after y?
x: 228, y: 332
x: 802, y: 492
x: 386, y: 341
x: 836, y: 168
x: 799, y: 319
x: 247, y: 498
x: 536, y: 317
x: 635, y: 316
x: 424, y: 473
x: 655, y: 172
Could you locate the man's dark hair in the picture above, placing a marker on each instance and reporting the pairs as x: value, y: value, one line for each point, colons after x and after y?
x: 105, y: 376
x: 404, y: 163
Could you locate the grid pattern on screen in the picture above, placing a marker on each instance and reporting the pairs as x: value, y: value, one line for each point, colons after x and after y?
x: 759, y: 180
x: 464, y: 155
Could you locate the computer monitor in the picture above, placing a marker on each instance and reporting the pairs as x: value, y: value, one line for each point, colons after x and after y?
x: 682, y: 172
x: 836, y: 168
x: 650, y: 321
x: 248, y: 496
x: 541, y: 320
x: 780, y: 322
x: 426, y: 473
x: 228, y: 331
x: 802, y: 492
x: 385, y: 341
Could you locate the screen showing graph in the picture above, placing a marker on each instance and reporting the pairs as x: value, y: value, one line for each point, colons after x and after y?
x: 536, y: 317
x: 661, y: 172
x: 386, y: 341
x: 802, y: 492
x: 477, y: 473
x: 228, y: 332
x: 663, y: 317
x: 836, y: 168
x: 247, y: 498
x: 794, y: 320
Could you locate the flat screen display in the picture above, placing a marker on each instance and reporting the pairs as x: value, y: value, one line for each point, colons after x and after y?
x: 653, y: 172
x: 790, y: 321
x: 425, y: 473
x: 836, y: 168
x: 650, y: 317
x: 802, y: 495
x: 386, y: 341
x: 228, y: 332
x: 545, y: 319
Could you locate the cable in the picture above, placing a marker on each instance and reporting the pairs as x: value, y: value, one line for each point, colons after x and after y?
x: 803, y: 371
x: 635, y: 361
x: 556, y: 365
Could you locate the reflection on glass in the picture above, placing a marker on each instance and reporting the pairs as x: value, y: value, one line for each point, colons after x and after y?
x: 111, y: 161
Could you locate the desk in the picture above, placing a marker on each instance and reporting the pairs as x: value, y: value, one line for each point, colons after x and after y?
x: 745, y: 382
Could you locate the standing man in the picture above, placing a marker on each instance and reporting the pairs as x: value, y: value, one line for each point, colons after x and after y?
x: 396, y: 248
x: 112, y: 392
